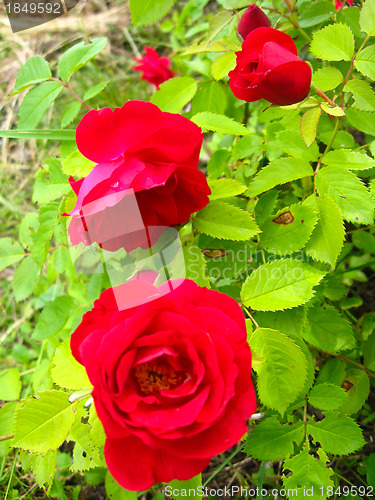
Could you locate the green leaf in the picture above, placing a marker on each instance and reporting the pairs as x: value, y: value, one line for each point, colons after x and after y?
x: 10, y: 385
x: 149, y: 11
x: 367, y: 17
x: 291, y: 142
x: 348, y: 192
x: 271, y: 441
x: 290, y: 322
x: 24, y: 278
x: 308, y: 473
x: 67, y: 372
x: 352, y: 160
x: 36, y: 102
x: 79, y: 55
x: 34, y: 71
x: 222, y: 65
x: 327, y: 78
x: 195, y: 265
x: 334, y: 42
x: 43, y: 424
x: 359, y: 389
x: 175, y: 93
x: 328, y: 330
x: 77, y: 165
x: 48, y: 216
x: 282, y: 374
x: 246, y: 146
x: 332, y: 110
x: 316, y: 13
x: 85, y: 454
x: 221, y: 220
x: 10, y: 253
x: 225, y: 188
x: 115, y: 491
x: 52, y: 135
x: 327, y: 396
x: 288, y: 230
x: 339, y: 435
x: 206, y: 46
x: 53, y: 317
x: 70, y: 113
x: 280, y: 284
x: 43, y: 468
x: 328, y: 237
x: 210, y: 97
x: 219, y: 123
x: 277, y: 172
x: 98, y: 436
x: 332, y: 372
x: 218, y: 163
x: 190, y: 486
x: 365, y: 62
x: 369, y: 353
x: 308, y: 125
x: 55, y: 187
x: 6, y: 426
x: 361, y: 120
x: 95, y: 90
x: 364, y: 97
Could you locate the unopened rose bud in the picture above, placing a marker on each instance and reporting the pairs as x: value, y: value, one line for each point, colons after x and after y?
x: 252, y: 18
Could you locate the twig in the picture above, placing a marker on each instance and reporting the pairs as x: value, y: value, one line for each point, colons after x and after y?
x: 324, y: 96
x: 67, y: 86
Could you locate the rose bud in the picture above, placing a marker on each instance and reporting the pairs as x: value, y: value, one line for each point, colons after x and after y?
x: 252, y: 18
x: 268, y: 68
x: 155, y: 69
x: 171, y: 379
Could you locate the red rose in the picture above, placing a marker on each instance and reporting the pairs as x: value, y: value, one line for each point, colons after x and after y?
x: 268, y: 68
x: 146, y: 159
x: 339, y: 3
x: 155, y: 69
x: 172, y: 379
x: 252, y: 18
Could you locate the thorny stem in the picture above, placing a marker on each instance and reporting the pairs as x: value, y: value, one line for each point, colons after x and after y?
x: 324, y: 96
x: 67, y: 86
x: 351, y: 69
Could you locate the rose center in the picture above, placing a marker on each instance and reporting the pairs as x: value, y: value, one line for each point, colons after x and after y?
x: 156, y: 375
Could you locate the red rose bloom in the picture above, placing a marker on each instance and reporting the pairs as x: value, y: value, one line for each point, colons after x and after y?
x: 252, y: 18
x: 268, y: 68
x: 155, y: 69
x: 172, y: 379
x: 339, y: 3
x: 146, y: 159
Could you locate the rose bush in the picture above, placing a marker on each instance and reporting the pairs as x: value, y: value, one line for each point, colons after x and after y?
x: 155, y: 69
x: 268, y: 68
x: 140, y: 150
x: 172, y: 379
x: 252, y: 18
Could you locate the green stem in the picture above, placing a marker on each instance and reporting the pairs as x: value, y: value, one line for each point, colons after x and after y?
x: 329, y: 145
x: 65, y: 85
x: 232, y: 455
x: 260, y: 479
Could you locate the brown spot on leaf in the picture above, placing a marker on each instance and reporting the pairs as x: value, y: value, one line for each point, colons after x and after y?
x: 211, y: 253
x: 285, y: 218
x: 347, y: 385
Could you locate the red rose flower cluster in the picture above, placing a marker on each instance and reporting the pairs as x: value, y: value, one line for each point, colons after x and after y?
x: 268, y: 66
x: 155, y: 69
x: 141, y: 153
x: 172, y: 379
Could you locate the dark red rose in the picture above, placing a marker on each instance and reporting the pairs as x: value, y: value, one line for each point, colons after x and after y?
x: 147, y: 174
x: 268, y: 68
x: 171, y: 377
x: 155, y: 69
x: 252, y: 18
x: 339, y: 3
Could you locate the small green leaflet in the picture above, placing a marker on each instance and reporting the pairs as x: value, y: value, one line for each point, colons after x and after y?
x: 367, y: 17
x: 361, y: 120
x: 328, y: 330
x: 10, y: 384
x: 195, y: 265
x: 206, y: 46
x: 36, y: 102
x: 271, y: 441
x: 246, y: 146
x: 149, y: 11
x: 308, y: 473
x: 332, y: 110
x: 280, y: 284
x: 291, y: 321
x: 79, y: 55
x: 211, y: 97
x: 67, y: 372
x: 289, y: 229
x: 349, y: 193
x: 34, y: 71
x: 219, y: 123
x: 115, y: 491
x: 328, y: 237
x: 352, y: 160
x: 316, y: 13
x: 359, y: 392
x: 339, y: 435
x: 279, y: 172
x: 225, y: 221
x: 328, y: 396
x: 25, y: 278
x: 43, y: 424
x: 364, y: 97
x: 291, y: 142
x: 53, y: 317
x: 327, y: 78
x: 70, y: 113
x: 365, y: 62
x: 308, y: 125
x: 282, y: 375
x: 334, y: 42
x: 43, y: 467
x: 225, y: 188
x: 186, y: 486
x: 10, y: 253
x: 55, y: 187
x: 52, y: 135
x: 175, y: 93
x: 95, y: 90
x: 97, y: 430
x: 6, y: 425
x: 48, y: 216
x: 369, y: 353
x: 223, y: 64
x: 85, y: 454
x: 77, y: 165
x: 332, y: 372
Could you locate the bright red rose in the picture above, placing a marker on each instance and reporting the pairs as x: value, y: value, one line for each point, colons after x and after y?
x: 339, y: 3
x: 172, y: 379
x: 155, y: 69
x: 268, y: 68
x: 147, y: 159
x: 252, y: 18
